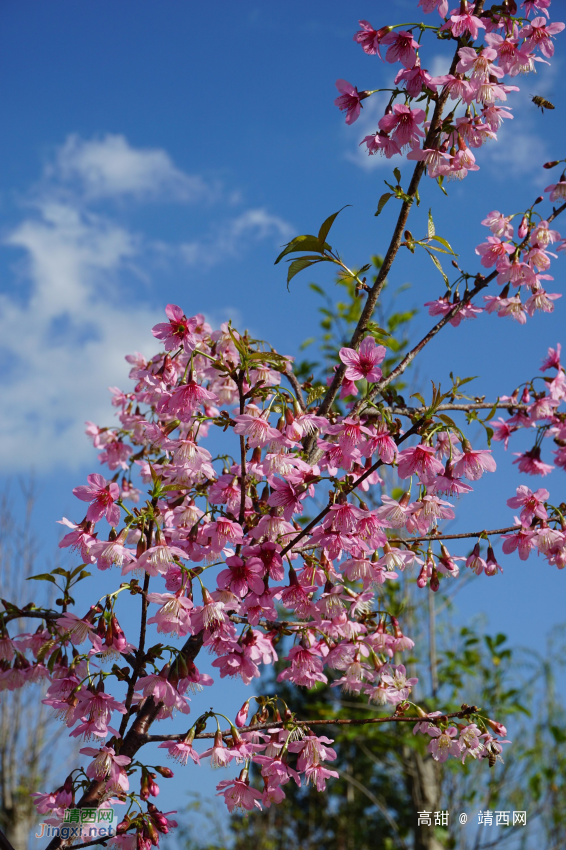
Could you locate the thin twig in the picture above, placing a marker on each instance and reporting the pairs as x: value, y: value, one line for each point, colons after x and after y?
x: 476, y: 405
x: 339, y: 721
x: 391, y: 252
x: 432, y: 537
x: 294, y: 381
x: 356, y: 483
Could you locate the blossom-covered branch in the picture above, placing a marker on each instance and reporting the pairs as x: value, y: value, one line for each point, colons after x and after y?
x: 282, y: 545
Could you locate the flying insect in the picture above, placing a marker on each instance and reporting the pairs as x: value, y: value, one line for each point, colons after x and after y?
x: 542, y: 103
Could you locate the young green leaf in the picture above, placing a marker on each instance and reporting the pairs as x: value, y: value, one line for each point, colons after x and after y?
x: 315, y: 393
x: 436, y: 262
x: 307, y: 242
x: 382, y: 201
x: 431, y: 228
x: 301, y: 263
x: 445, y: 243
x: 42, y: 577
x: 326, y: 225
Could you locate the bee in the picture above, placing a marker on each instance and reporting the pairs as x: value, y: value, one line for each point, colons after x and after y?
x: 542, y: 103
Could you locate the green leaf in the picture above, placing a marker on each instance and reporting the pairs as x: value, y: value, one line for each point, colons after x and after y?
x: 444, y: 242
x: 326, y: 225
x: 303, y: 243
x: 440, y: 181
x: 397, y: 174
x: 42, y: 577
x: 447, y: 420
x: 419, y: 397
x: 306, y: 343
x: 436, y: 262
x: 558, y: 734
x: 491, y: 413
x: 316, y: 288
x: 315, y: 394
x: 431, y: 230
x: 299, y: 264
x: 382, y: 201
x: 60, y: 572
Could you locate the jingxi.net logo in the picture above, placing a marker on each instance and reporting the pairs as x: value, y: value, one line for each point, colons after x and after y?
x: 84, y: 823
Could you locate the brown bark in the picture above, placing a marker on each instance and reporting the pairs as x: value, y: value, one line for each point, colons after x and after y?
x: 135, y: 738
x: 423, y: 783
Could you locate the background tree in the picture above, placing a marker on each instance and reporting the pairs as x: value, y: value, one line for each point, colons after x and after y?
x: 28, y: 732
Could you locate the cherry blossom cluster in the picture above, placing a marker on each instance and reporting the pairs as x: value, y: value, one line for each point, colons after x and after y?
x: 244, y: 513
x: 230, y: 565
x: 512, y: 44
x: 520, y: 264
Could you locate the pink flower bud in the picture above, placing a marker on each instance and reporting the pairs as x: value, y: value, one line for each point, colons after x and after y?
x: 242, y: 715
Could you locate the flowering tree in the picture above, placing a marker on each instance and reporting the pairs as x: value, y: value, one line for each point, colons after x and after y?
x: 224, y: 557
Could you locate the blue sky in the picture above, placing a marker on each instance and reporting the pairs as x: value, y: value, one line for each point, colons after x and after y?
x: 163, y: 152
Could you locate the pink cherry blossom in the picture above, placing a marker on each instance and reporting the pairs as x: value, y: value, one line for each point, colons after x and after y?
x: 370, y: 39
x: 493, y: 251
x: 474, y: 462
x: 239, y: 794
x: 552, y: 361
x: 401, y: 48
x: 538, y: 34
x: 174, y: 615
x: 420, y: 460
x: 178, y: 331
x: 102, y: 496
x: 363, y: 364
x: 531, y: 463
x: 403, y: 123
x: 349, y: 100
x: 463, y: 20
x: 532, y: 504
x: 443, y: 744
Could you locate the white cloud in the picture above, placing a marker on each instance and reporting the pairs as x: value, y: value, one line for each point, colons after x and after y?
x: 110, y: 167
x: 66, y: 324
x: 230, y: 238
x: 65, y: 344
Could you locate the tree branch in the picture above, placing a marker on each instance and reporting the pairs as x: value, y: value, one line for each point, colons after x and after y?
x: 391, y: 253
x: 356, y: 483
x: 294, y: 381
x: 135, y: 738
x: 431, y: 537
x: 464, y: 712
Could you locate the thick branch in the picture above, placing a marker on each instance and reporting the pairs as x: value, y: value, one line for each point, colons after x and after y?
x: 135, y: 738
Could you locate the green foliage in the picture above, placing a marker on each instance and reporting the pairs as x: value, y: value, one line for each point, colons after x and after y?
x: 338, y: 318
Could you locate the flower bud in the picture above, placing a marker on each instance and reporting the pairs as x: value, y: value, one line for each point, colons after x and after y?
x: 523, y: 227
x: 165, y: 772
